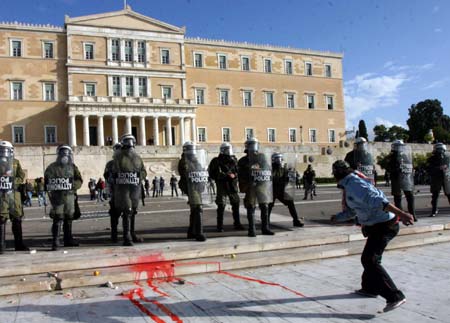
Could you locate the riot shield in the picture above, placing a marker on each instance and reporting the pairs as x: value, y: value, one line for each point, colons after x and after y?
x: 446, y: 170
x: 197, y: 177
x: 406, y: 171
x: 261, y: 177
x: 364, y: 162
x: 290, y: 177
x: 59, y: 186
x: 6, y: 183
x: 127, y: 179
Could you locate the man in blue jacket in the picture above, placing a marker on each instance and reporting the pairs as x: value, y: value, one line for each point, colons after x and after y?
x: 379, y: 220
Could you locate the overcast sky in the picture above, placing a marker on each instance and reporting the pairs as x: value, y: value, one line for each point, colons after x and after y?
x: 395, y: 52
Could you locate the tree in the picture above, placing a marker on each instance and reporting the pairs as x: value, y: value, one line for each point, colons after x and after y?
x: 390, y: 134
x: 362, y: 130
x: 381, y: 133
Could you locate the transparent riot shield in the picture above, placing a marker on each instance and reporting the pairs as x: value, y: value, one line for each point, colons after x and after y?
x: 59, y: 186
x: 406, y: 171
x: 127, y: 180
x: 6, y: 182
x: 364, y: 162
x: 261, y: 177
x: 197, y: 177
x: 290, y: 177
x: 446, y: 170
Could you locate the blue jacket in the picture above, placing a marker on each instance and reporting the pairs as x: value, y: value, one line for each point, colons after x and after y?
x: 364, y: 201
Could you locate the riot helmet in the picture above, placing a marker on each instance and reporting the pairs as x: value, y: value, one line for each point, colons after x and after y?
x: 340, y: 169
x: 439, y: 148
x: 117, y: 146
x: 189, y: 148
x: 251, y: 145
x: 226, y: 149
x: 64, y: 153
x: 277, y: 158
x: 6, y: 149
x: 128, y: 141
x: 360, y: 144
x: 398, y: 145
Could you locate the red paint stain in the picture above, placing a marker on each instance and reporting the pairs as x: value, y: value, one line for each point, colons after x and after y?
x: 139, y: 306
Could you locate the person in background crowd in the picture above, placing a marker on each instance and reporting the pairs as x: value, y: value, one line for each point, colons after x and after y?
x: 147, y: 187
x: 173, y: 184
x: 100, y: 187
x: 309, y: 178
x: 91, y: 186
x: 29, y: 190
x: 162, y: 183
x: 40, y: 190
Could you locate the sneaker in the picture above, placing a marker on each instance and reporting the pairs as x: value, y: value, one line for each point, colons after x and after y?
x: 393, y: 305
x: 433, y: 215
x: 365, y: 293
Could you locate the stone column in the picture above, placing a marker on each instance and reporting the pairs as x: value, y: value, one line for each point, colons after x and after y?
x: 86, y: 131
x: 142, y: 133
x: 193, y: 130
x: 72, y: 131
x: 155, y: 131
x: 168, y: 131
x: 115, y: 131
x: 182, y: 130
x: 100, y: 134
x: 128, y: 124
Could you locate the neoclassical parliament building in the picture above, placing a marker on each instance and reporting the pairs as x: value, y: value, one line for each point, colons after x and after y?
x: 107, y: 74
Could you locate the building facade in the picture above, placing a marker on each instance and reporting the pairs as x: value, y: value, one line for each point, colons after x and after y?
x: 121, y: 72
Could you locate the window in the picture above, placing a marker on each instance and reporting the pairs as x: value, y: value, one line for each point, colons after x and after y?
x: 89, y: 89
x: 290, y: 99
x: 249, y: 133
x: 115, y: 50
x: 49, y: 91
x: 129, y: 88
x: 247, y: 98
x: 142, y: 86
x: 226, y: 134
x: 224, y: 97
x: 16, y: 48
x: 269, y: 99
x: 267, y: 65
x: 201, y: 134
x: 292, y: 135
x: 19, y: 134
x: 331, y: 135
x: 48, y: 50
x: 312, y: 135
x: 117, y: 91
x: 128, y: 51
x: 167, y: 92
x: 271, y: 135
x: 165, y: 56
x: 245, y: 63
x: 50, y: 134
x: 198, y: 60
x: 200, y: 96
x: 89, y: 51
x: 330, y: 103
x: 17, y: 91
x: 308, y: 69
x: 141, y: 53
x: 288, y: 66
x: 327, y: 70
x: 222, y: 61
x: 310, y: 101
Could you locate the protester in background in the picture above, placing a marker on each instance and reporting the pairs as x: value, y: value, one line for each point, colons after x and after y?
x: 100, y: 187
x: 29, y: 191
x: 173, y: 184
x: 309, y: 177
x: 91, y: 186
x: 162, y: 183
x: 147, y: 187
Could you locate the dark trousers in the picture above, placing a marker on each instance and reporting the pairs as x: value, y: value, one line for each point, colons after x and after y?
x: 434, y: 201
x: 375, y: 278
x: 409, y: 199
x: 174, y: 188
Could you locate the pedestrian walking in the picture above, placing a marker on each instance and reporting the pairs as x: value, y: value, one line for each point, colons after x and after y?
x: 155, y: 183
x: 173, y: 184
x: 91, y: 186
x: 29, y: 191
x: 147, y: 187
x: 40, y: 190
x: 100, y: 187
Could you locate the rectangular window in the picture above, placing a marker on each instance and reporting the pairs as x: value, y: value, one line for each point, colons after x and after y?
x: 226, y: 134
x: 89, y: 51
x: 288, y: 67
x: 198, y: 60
x: 311, y: 101
x: 292, y: 135
x: 16, y: 48
x: 50, y: 134
x: 249, y: 133
x: 115, y: 50
x: 224, y: 97
x: 290, y: 99
x: 141, y: 52
x: 200, y: 96
x: 49, y: 91
x: 308, y: 69
x: 167, y: 92
x: 48, y: 50
x: 331, y: 135
x: 327, y: 70
x: 330, y: 103
x: 222, y: 61
x: 201, y: 134
x: 312, y: 135
x: 247, y: 98
x: 128, y: 50
x: 142, y: 86
x: 117, y: 90
x: 165, y: 56
x: 267, y: 65
x: 245, y: 63
x: 129, y: 86
x: 271, y: 135
x: 89, y: 89
x: 269, y: 99
x: 17, y: 91
x: 19, y: 134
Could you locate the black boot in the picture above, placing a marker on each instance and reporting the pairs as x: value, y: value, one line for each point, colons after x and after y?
x: 411, y: 205
x: 114, y: 222
x: 190, y: 232
x: 2, y: 235
x: 69, y: 241
x: 17, y: 231
x: 220, y: 212
x: 293, y: 211
x: 251, y: 222
x: 434, y: 201
x: 56, y: 231
x: 236, y: 218
x: 134, y: 236
x: 265, y: 222
x: 398, y: 201
x: 198, y: 225
x: 126, y: 228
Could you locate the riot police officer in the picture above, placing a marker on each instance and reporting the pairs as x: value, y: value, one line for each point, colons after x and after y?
x: 128, y: 172
x: 62, y: 180
x: 284, y: 185
x: 439, y: 170
x: 255, y: 180
x: 223, y: 170
x: 193, y: 183
x: 361, y: 159
x: 400, y: 167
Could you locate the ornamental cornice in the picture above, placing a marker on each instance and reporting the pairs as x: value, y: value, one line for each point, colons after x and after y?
x: 84, y: 109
